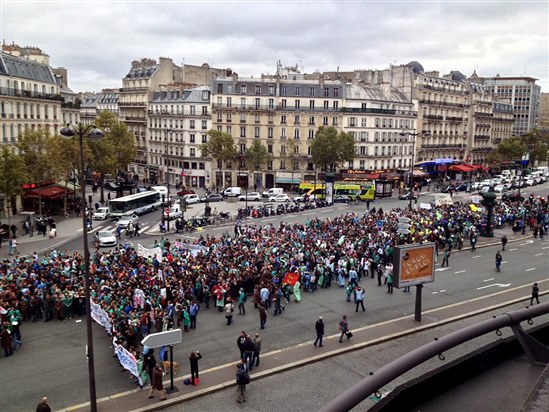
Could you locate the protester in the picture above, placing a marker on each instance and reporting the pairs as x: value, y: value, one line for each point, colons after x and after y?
x: 319, y: 327
x: 193, y: 360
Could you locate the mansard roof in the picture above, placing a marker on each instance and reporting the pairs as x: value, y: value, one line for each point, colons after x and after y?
x: 142, y: 72
x: 25, y: 69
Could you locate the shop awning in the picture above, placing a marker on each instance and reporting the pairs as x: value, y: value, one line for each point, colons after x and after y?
x: 288, y: 180
x: 419, y: 173
x: 50, y: 192
x: 481, y: 168
x: 462, y: 168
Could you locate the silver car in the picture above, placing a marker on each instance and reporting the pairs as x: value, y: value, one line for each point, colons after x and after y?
x: 125, y: 220
x: 105, y: 238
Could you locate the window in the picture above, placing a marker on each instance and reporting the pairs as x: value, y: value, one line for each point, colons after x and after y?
x: 229, y: 117
x: 271, y: 104
x: 257, y: 89
x: 283, y: 150
x: 351, y: 122
x: 230, y: 130
x: 270, y: 132
x: 270, y: 165
x: 377, y: 122
x: 384, y: 123
x: 296, y: 133
x: 271, y: 90
x: 270, y: 148
x: 283, y: 90
x: 192, y: 152
x: 270, y: 119
x: 192, y: 110
x: 311, y: 91
x: 362, y: 165
x: 336, y: 92
x: 325, y: 121
x: 205, y: 95
x: 283, y: 119
x: 334, y: 121
x: 204, y: 138
x: 297, y: 104
x: 282, y: 165
x: 243, y: 89
x: 192, y: 124
x: 256, y: 118
x: 335, y: 105
x: 376, y: 137
x: 311, y: 134
x: 283, y: 103
x: 220, y: 88
x: 326, y: 92
x: 242, y: 148
x: 363, y: 122
x: 283, y: 133
x: 204, y: 124
x: 219, y: 117
x: 256, y: 132
x: 219, y: 100
x: 311, y: 121
x: 242, y: 117
x: 311, y: 104
x: 229, y: 102
x: 298, y: 90
x: 326, y: 104
x: 257, y: 103
x: 296, y: 119
x: 192, y: 138
x: 243, y: 132
x: 242, y: 102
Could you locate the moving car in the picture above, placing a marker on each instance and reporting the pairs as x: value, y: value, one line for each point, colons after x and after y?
x: 101, y: 214
x: 190, y: 199
x: 111, y: 185
x: 105, y: 238
x: 214, y: 197
x: 283, y: 197
x: 125, y: 220
x: 252, y: 196
x: 408, y: 195
x: 305, y: 198
x: 512, y: 197
x: 341, y: 199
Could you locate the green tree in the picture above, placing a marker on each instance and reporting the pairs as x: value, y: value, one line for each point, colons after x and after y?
x: 536, y: 145
x: 12, y: 176
x: 293, y: 157
x: 256, y: 158
x: 220, y: 147
x: 36, y: 148
x: 116, y: 133
x: 512, y: 148
x: 330, y: 148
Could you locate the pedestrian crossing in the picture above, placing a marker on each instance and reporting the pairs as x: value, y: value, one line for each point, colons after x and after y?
x: 111, y: 228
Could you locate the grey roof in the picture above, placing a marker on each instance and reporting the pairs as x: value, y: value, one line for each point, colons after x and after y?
x: 25, y: 69
x: 457, y: 75
x: 374, y: 92
x: 416, y: 67
x: 90, y: 101
x: 193, y: 95
x: 142, y: 72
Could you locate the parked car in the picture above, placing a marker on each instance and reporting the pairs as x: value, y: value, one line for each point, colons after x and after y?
x: 475, y: 186
x: 124, y: 221
x: 530, y: 182
x: 283, y: 197
x: 512, y: 197
x: 408, y: 195
x: 101, y: 214
x: 112, y: 185
x: 252, y: 196
x: 485, y: 189
x: 105, y: 238
x: 190, y: 199
x: 305, y: 198
x: 341, y: 199
x: 501, y: 189
x: 214, y: 197
x: 185, y: 192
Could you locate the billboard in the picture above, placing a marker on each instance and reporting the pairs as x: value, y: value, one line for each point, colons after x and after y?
x: 413, y: 265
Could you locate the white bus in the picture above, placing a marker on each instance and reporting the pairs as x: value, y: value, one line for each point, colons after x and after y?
x: 137, y: 203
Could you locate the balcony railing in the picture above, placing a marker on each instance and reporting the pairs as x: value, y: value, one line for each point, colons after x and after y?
x: 132, y: 104
x: 481, y: 137
x: 5, y: 91
x: 484, y: 114
x: 433, y: 117
x: 454, y: 119
x: 438, y: 103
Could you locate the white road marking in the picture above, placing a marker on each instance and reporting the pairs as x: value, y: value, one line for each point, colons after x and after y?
x: 142, y: 229
x: 308, y: 213
x: 443, y: 290
x: 460, y: 271
x: 488, y: 280
x: 434, y: 293
x: 546, y: 247
x: 443, y: 269
x: 503, y: 261
x: 538, y: 254
x: 269, y: 220
x: 529, y: 270
x: 510, y: 250
x: 218, y: 228
x: 499, y: 285
x: 475, y: 257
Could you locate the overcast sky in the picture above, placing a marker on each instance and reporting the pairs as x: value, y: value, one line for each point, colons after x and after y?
x: 97, y: 40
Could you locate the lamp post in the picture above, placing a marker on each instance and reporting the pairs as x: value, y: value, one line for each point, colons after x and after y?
x: 91, y: 132
x: 411, y: 177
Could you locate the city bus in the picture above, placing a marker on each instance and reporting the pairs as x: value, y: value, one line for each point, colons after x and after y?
x: 138, y: 203
x: 306, y: 187
x: 367, y: 190
x: 346, y: 189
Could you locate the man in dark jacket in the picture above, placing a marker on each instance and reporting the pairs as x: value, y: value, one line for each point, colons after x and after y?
x: 319, y: 326
x: 43, y: 406
x: 248, y: 349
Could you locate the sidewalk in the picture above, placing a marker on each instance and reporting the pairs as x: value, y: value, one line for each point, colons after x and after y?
x: 223, y: 376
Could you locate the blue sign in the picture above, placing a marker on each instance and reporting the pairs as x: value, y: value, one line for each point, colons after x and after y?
x: 379, y: 223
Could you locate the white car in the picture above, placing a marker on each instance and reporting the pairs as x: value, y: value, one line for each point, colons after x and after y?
x: 530, y: 182
x: 105, y: 238
x: 253, y: 196
x: 190, y: 199
x: 309, y: 198
x: 501, y: 189
x: 101, y: 214
x: 280, y: 198
x: 124, y: 221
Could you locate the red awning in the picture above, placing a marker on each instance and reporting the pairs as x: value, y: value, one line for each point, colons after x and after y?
x: 51, y: 192
x: 462, y: 168
x: 480, y: 167
x: 419, y: 173
x: 373, y: 176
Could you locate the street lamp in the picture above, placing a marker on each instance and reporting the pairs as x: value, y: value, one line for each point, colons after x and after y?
x: 411, y: 177
x: 92, y: 133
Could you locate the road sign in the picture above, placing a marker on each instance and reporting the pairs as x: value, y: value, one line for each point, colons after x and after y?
x: 169, y: 337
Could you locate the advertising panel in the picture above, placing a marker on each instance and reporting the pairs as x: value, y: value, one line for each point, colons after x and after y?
x: 414, y: 265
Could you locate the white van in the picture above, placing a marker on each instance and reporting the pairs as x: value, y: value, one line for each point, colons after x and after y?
x: 175, y: 212
x: 163, y: 190
x: 232, y: 192
x: 273, y: 192
x: 544, y: 170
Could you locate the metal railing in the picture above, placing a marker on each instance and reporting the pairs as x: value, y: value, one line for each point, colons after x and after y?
x: 535, y: 351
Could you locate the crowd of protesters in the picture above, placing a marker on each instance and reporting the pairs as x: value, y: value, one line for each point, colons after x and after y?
x: 253, y: 262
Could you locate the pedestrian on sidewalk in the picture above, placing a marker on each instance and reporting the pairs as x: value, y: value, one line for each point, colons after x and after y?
x: 503, y: 242
x: 473, y: 241
x: 229, y: 309
x: 262, y: 316
x: 242, y: 378
x: 344, y: 328
x: 319, y: 327
x: 248, y: 349
x: 241, y: 301
x: 43, y: 405
x: 157, y: 383
x: 257, y: 349
x: 240, y: 343
x: 136, y: 229
x: 193, y: 359
x: 359, y: 296
x: 129, y: 229
x: 389, y: 280
x: 535, y: 294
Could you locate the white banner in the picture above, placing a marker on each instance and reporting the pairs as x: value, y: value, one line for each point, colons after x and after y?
x: 154, y: 251
x: 127, y: 360
x: 194, y: 249
x: 101, y: 317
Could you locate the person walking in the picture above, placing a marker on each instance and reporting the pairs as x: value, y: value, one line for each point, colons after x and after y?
x: 319, y: 327
x: 498, y: 261
x: 278, y: 302
x: 248, y: 348
x: 156, y: 384
x: 240, y: 343
x: 473, y: 242
x: 344, y: 328
x: 193, y: 360
x: 242, y: 379
x: 6, y: 340
x: 535, y: 294
x: 241, y: 301
x: 503, y: 242
x: 257, y: 349
x: 136, y: 229
x: 445, y: 257
x: 359, y: 296
x: 129, y: 230
x: 229, y: 309
x: 193, y: 313
x: 389, y: 280
x: 43, y: 405
x: 262, y: 316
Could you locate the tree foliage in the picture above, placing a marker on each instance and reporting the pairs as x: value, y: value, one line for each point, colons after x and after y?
x: 534, y: 145
x: 12, y: 175
x: 256, y: 156
x: 330, y: 148
x: 117, y: 149
x: 220, y: 147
